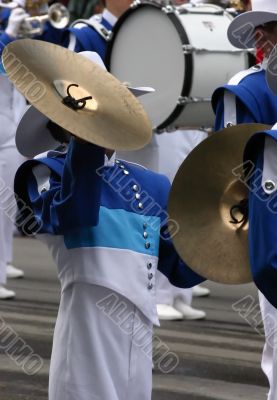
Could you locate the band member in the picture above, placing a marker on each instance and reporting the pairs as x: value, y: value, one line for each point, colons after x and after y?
x: 247, y: 99
x: 100, y: 231
x: 239, y: 101
x: 86, y: 36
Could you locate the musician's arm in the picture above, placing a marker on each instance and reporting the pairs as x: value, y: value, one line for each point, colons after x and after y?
x: 77, y: 202
x: 68, y: 201
x: 263, y: 217
x: 231, y: 110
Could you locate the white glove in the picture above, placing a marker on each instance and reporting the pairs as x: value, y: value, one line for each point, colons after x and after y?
x: 17, y: 18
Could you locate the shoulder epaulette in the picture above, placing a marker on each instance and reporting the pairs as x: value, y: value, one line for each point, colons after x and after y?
x: 235, y: 80
x: 94, y: 24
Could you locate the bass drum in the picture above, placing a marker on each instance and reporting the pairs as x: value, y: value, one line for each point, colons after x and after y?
x: 182, y: 52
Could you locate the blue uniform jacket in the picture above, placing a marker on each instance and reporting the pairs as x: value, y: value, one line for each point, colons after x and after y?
x: 83, y: 195
x: 255, y: 103
x: 262, y: 219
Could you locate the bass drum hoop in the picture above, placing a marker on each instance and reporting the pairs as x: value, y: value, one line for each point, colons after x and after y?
x: 188, y: 78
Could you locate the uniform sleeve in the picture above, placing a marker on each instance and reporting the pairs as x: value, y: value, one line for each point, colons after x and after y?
x: 73, y: 201
x: 263, y: 220
x: 230, y: 109
x: 170, y: 264
x: 4, y: 41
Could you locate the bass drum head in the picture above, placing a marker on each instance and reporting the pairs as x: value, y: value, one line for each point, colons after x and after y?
x: 146, y: 50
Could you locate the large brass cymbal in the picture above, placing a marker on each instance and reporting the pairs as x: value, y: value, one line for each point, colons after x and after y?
x: 206, y: 186
x: 42, y: 72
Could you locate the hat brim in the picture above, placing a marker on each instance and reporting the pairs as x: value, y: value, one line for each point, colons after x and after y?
x: 241, y: 30
x: 32, y: 135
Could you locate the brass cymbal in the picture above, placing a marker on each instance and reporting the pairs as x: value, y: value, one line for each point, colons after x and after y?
x: 207, y: 185
x: 42, y: 72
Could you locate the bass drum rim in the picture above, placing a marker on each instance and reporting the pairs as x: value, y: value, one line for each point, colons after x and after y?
x: 188, y: 76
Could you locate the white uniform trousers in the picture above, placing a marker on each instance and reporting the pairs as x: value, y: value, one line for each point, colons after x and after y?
x: 167, y: 293
x: 94, y: 356
x: 10, y: 160
x: 269, y: 359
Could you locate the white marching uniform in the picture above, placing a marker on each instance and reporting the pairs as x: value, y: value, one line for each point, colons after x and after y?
x: 269, y: 359
x: 105, y: 356
x: 12, y: 107
x: 107, y: 245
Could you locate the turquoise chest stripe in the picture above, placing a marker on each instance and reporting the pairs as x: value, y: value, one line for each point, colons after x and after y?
x: 118, y: 229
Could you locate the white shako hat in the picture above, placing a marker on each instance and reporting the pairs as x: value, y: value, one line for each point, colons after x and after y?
x: 33, y: 136
x: 241, y: 30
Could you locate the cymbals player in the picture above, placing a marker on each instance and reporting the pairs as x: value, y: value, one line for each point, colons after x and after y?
x: 246, y: 99
x: 105, y: 224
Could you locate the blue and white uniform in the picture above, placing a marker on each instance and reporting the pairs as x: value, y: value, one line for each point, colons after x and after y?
x: 248, y: 99
x: 88, y: 37
x: 105, y: 223
x: 260, y: 156
x: 78, y: 38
